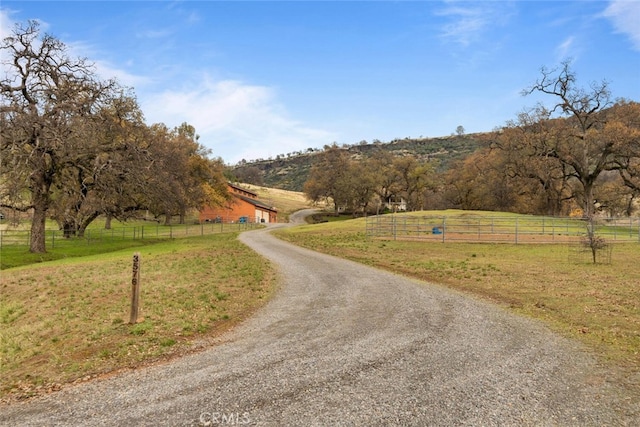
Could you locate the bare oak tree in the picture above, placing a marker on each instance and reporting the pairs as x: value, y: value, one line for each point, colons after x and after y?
x: 541, y: 182
x: 577, y: 142
x: 44, y: 96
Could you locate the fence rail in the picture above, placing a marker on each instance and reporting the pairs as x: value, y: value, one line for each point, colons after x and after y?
x: 506, y: 229
x: 155, y: 231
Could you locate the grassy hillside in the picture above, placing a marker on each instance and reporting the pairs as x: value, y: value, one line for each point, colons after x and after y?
x: 285, y: 201
x: 289, y: 172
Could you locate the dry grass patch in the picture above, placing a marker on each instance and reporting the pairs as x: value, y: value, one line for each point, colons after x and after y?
x: 285, y: 201
x: 66, y: 320
x: 598, y: 304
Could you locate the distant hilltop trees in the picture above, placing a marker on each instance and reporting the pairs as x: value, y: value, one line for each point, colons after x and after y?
x: 580, y: 153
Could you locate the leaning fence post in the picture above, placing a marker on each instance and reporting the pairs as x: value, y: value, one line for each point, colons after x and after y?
x: 135, y: 289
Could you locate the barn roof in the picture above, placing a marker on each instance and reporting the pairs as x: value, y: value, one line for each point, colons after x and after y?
x: 237, y: 187
x: 256, y: 203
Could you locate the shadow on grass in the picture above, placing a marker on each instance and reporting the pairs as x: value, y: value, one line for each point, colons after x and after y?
x: 12, y: 256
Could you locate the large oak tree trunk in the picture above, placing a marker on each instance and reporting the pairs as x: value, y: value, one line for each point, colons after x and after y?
x: 40, y: 198
x: 37, y: 241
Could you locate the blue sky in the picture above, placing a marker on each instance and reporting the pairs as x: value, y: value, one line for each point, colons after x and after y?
x: 263, y: 78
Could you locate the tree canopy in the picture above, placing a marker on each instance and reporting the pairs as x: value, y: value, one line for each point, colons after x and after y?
x: 578, y: 154
x: 75, y: 147
x: 361, y: 185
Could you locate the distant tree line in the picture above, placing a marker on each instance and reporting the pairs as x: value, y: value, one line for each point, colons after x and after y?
x: 74, y: 147
x: 579, y: 155
x: 368, y: 184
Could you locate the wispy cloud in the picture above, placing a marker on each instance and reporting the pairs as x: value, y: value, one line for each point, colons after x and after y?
x: 103, y: 68
x: 6, y: 24
x: 153, y: 34
x: 625, y: 17
x: 6, y: 28
x: 564, y: 50
x: 467, y: 22
x: 186, y: 14
x: 108, y: 71
x: 75, y: 50
x: 464, y: 25
x: 234, y: 119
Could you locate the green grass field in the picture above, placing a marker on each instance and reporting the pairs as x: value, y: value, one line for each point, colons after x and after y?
x: 64, y: 314
x: 64, y: 320
x: 14, y: 243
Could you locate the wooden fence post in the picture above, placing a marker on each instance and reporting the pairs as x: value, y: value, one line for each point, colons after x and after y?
x: 135, y: 289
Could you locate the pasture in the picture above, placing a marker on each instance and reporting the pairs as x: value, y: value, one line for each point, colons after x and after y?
x: 64, y: 314
x: 598, y: 304
x: 66, y: 320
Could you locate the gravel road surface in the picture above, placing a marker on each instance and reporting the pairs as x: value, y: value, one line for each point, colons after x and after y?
x: 344, y: 344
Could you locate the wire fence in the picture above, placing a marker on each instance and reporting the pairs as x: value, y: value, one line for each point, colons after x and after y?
x: 474, y: 228
x: 55, y: 238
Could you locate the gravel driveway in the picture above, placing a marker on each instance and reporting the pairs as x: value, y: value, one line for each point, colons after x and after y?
x: 344, y: 344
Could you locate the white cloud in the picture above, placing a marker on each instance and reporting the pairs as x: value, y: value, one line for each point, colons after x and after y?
x: 6, y: 28
x: 153, y: 34
x: 75, y: 50
x: 235, y: 120
x: 625, y: 16
x: 107, y: 71
x: 6, y: 23
x: 563, y: 50
x: 103, y: 68
x: 468, y: 21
